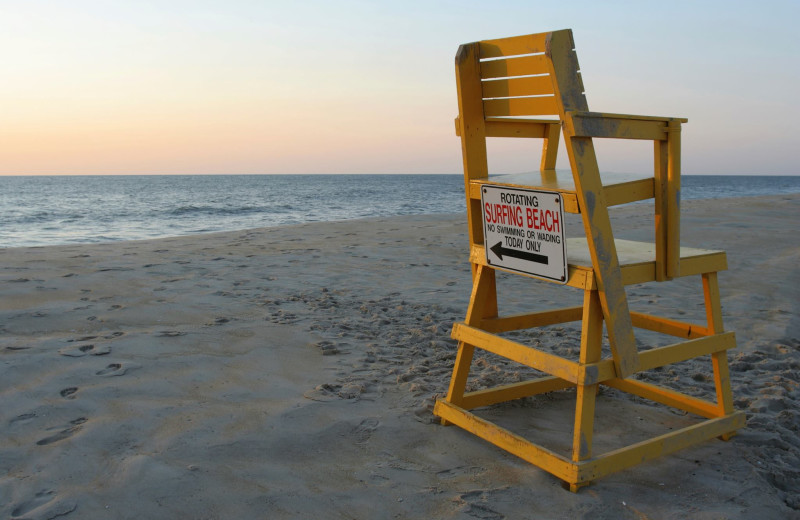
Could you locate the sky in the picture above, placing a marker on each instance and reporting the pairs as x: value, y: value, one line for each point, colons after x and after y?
x: 281, y: 87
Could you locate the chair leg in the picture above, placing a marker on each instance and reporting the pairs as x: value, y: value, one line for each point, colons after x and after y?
x: 482, y: 304
x: 719, y: 360
x: 591, y: 351
x: 483, y: 301
x: 458, y: 382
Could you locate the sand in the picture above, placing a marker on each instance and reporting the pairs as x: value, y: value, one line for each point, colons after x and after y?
x: 290, y: 373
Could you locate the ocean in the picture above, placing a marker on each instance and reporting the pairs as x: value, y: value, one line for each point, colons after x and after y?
x: 49, y: 210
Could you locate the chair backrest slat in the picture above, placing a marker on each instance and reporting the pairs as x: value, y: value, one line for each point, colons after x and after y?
x: 515, y: 77
x: 520, y: 106
x: 507, y: 68
x: 516, y: 87
x: 526, y: 88
x: 513, y: 46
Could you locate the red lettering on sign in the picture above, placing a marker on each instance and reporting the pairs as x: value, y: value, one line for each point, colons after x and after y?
x: 539, y: 219
x: 503, y: 214
x: 556, y: 223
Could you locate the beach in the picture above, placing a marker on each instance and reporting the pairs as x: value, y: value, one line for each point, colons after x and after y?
x: 290, y: 372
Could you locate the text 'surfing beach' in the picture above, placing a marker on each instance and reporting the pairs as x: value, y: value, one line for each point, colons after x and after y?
x: 290, y: 372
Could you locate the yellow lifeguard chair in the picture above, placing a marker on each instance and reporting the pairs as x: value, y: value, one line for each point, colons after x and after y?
x: 530, y: 87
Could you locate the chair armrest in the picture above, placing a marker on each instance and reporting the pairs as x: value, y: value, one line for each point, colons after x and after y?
x: 621, y: 126
x: 607, y: 115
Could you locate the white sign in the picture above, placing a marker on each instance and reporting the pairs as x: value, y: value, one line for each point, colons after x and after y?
x: 524, y: 231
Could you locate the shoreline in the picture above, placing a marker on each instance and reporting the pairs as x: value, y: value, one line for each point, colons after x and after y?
x: 200, y: 234
x: 430, y: 216
x: 289, y: 371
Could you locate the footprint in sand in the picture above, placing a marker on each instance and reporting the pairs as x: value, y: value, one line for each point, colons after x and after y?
x: 82, y: 338
x: 472, y: 505
x: 170, y: 334
x: 351, y: 390
x: 328, y: 348
x: 65, y: 433
x: 69, y: 393
x: 26, y: 417
x: 460, y: 471
x: 84, y: 350
x: 113, y: 369
x: 365, y: 429
x: 117, y: 369
x: 323, y: 393
x: 43, y: 505
x: 42, y: 497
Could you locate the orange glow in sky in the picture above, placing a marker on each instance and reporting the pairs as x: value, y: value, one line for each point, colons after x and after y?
x: 185, y: 87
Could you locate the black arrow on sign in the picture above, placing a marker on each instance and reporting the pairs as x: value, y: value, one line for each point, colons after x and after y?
x: 499, y: 250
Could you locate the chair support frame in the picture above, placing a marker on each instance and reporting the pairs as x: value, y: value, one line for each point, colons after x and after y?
x: 491, y: 107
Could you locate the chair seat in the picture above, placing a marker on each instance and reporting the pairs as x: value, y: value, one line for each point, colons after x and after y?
x: 638, y: 259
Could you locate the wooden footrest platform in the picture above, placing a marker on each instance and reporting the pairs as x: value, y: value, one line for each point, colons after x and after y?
x: 577, y: 473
